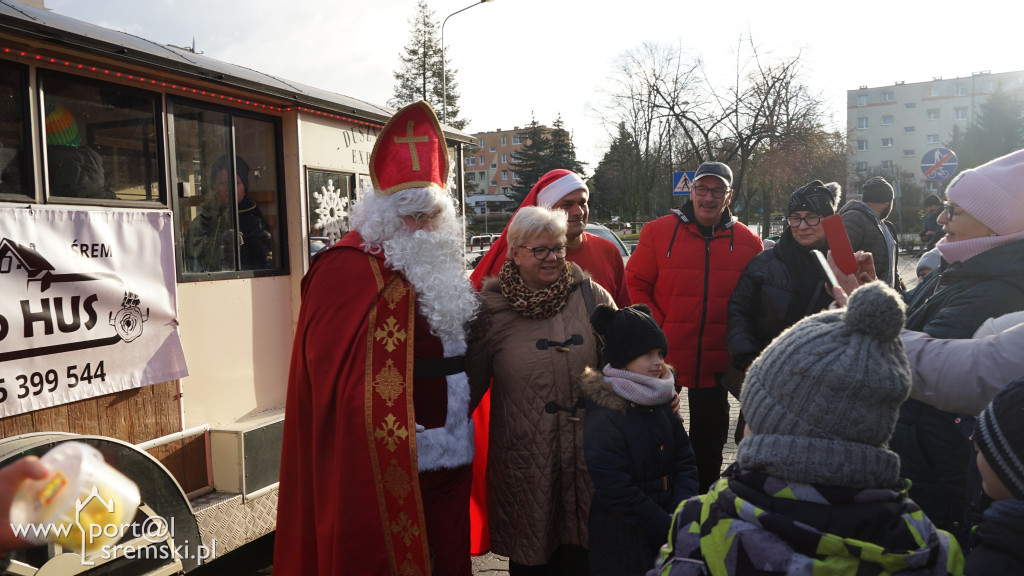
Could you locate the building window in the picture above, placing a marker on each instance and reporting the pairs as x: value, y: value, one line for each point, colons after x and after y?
x: 480, y: 143
x: 223, y: 156
x: 494, y: 165
x: 933, y: 138
x: 862, y: 123
x: 888, y: 96
x: 862, y: 166
x: 862, y: 145
x: 504, y: 141
x: 515, y: 140
x: 933, y: 113
x: 909, y: 152
x: 909, y: 129
x: 515, y: 175
x: 886, y: 142
x: 470, y: 176
x: 504, y: 190
x: 480, y: 159
x: 910, y: 105
x: 960, y: 113
x: 471, y: 161
x: 515, y: 157
x: 504, y: 174
x: 887, y: 120
x: 481, y: 175
x: 886, y: 164
x: 933, y: 91
x: 961, y: 90
x: 493, y: 149
x: 504, y: 158
x: 494, y: 182
x: 101, y: 141
x: 862, y: 100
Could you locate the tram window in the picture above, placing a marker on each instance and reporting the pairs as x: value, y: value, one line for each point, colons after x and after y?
x: 15, y: 164
x: 330, y: 195
x: 101, y: 140
x: 228, y: 206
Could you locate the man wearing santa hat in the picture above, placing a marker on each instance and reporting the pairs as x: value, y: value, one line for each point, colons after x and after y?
x: 375, y: 467
x: 565, y: 190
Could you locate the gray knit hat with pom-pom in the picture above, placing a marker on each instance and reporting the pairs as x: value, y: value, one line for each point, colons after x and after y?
x: 823, y: 398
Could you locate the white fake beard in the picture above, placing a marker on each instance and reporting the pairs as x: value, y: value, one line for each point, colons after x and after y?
x: 433, y: 262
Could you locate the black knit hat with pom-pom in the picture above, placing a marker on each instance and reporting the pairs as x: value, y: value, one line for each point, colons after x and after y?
x: 628, y: 333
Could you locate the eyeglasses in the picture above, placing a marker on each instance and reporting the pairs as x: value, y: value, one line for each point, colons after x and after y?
x: 701, y: 190
x: 812, y: 220
x: 422, y: 217
x: 541, y: 252
x: 950, y: 210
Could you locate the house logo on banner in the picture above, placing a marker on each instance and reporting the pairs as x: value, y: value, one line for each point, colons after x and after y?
x: 87, y: 310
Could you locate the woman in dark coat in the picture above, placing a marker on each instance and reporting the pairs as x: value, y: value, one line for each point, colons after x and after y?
x: 780, y: 285
x: 637, y: 451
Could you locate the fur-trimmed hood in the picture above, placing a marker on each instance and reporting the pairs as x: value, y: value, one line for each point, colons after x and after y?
x: 600, y: 392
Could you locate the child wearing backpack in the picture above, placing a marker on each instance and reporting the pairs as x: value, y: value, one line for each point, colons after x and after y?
x: 637, y: 451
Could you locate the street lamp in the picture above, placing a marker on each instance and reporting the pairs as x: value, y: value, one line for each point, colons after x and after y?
x: 444, y: 85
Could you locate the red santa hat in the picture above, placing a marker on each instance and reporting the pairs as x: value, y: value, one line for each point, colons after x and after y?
x: 410, y: 152
x: 555, y: 185
x: 551, y: 188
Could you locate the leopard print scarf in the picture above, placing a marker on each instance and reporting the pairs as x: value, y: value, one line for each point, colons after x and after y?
x: 540, y: 304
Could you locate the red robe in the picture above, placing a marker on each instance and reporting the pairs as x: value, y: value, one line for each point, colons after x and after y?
x: 350, y: 498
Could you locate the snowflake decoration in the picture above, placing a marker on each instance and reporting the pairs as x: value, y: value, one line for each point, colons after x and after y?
x: 332, y: 215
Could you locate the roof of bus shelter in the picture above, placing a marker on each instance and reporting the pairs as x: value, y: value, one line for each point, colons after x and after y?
x: 25, y: 20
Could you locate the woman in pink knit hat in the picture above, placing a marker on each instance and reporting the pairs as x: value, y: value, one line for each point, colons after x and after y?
x: 981, y: 276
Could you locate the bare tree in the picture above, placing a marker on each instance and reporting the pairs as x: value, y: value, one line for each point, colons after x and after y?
x: 674, y: 111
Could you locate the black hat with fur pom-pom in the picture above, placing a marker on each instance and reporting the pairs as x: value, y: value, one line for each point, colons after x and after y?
x: 628, y: 333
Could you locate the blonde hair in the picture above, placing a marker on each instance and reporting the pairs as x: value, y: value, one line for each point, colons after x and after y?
x: 530, y: 221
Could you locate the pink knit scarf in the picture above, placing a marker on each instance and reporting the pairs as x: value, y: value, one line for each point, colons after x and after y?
x: 644, y: 390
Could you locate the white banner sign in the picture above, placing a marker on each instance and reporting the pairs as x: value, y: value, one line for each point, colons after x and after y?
x: 88, y: 304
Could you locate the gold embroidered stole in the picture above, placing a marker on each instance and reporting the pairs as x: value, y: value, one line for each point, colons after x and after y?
x: 390, y: 423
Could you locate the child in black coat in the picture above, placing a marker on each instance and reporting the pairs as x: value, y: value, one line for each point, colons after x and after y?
x: 637, y: 451
x: 1000, y: 440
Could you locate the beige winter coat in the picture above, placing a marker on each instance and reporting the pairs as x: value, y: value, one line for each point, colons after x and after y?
x: 538, y: 489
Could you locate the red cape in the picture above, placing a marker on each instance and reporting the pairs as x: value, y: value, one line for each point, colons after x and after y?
x: 349, y: 498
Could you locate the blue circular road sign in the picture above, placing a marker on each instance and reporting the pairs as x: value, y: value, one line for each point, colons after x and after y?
x: 938, y: 164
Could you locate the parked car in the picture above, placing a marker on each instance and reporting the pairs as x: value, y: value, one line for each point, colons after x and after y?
x: 604, y: 232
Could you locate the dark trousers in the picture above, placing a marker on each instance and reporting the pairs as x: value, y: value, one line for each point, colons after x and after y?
x: 568, y: 560
x: 709, y: 430
x: 446, y: 510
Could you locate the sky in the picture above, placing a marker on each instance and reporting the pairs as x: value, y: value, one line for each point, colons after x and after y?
x: 520, y: 59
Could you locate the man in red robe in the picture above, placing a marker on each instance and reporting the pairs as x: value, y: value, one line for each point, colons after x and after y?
x: 375, y: 468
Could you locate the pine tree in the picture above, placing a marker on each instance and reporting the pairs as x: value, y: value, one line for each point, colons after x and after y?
x: 545, y: 149
x: 420, y: 77
x: 529, y: 162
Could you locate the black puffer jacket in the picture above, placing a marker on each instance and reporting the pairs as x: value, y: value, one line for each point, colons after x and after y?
x: 933, y: 445
x: 764, y: 303
x: 999, y: 552
x: 642, y: 466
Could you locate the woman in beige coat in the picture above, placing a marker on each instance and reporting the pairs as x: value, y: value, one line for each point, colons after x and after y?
x: 533, y: 342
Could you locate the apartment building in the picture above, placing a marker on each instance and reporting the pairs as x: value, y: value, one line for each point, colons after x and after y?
x: 490, y: 164
x: 896, y: 126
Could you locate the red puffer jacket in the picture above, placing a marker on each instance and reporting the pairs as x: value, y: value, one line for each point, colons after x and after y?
x: 687, y: 280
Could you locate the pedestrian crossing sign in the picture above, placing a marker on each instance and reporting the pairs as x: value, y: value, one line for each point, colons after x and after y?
x: 682, y: 183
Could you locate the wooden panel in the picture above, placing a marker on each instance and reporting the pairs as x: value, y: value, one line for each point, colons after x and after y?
x: 83, y: 417
x: 20, y: 424
x: 54, y: 418
x: 194, y: 455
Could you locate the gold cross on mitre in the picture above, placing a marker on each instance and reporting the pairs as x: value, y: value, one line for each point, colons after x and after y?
x: 411, y: 139
x: 410, y: 152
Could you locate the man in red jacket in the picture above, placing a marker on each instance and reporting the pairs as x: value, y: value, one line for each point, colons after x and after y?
x: 375, y: 465
x: 685, y: 268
